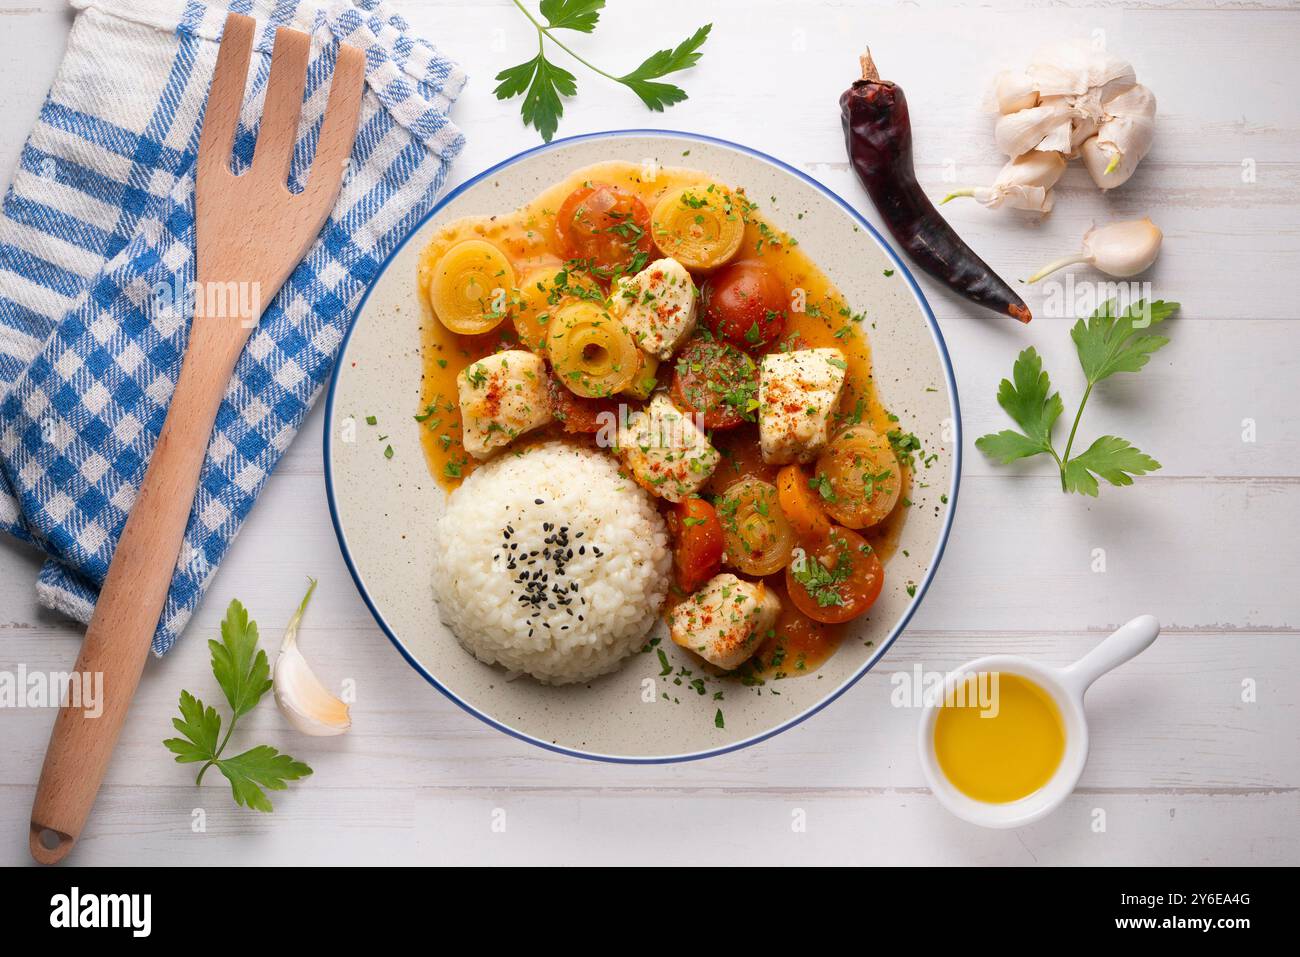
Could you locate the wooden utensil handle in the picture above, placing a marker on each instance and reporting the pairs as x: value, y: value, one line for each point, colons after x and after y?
x: 131, y: 601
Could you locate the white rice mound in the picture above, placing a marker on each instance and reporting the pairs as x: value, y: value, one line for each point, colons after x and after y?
x: 564, y: 610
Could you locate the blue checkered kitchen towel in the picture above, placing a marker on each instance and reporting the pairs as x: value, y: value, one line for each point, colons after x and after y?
x: 100, y: 217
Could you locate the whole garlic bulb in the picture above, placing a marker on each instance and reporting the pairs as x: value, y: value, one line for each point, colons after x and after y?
x: 1080, y: 101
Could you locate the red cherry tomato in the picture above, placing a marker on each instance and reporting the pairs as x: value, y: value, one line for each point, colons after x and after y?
x: 745, y: 304
x: 697, y: 537
x: 603, y: 224
x: 718, y: 381
x: 837, y: 580
x: 577, y: 414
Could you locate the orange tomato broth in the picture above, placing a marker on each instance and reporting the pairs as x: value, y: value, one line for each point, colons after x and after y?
x: 527, y: 237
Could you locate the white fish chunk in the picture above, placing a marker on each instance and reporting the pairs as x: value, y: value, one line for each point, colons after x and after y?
x: 665, y: 450
x: 502, y: 396
x: 797, y: 392
x: 657, y: 306
x: 725, y: 621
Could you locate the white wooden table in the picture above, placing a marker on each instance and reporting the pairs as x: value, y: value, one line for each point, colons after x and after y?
x: 1184, y: 769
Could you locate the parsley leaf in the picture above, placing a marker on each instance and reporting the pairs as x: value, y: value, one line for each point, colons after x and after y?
x: 660, y: 63
x: 544, y: 85
x: 514, y: 80
x: 242, y: 671
x: 1107, y: 342
x: 261, y: 767
x: 1028, y: 398
x: 200, y: 726
x: 580, y: 15
x: 241, y: 668
x: 1111, y: 458
x: 1008, y: 445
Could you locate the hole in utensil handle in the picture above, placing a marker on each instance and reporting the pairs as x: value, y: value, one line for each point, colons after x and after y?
x: 49, y: 846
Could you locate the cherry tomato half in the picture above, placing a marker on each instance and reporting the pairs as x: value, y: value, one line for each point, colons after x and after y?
x: 745, y: 303
x: 577, y: 414
x: 718, y: 381
x: 697, y: 537
x: 603, y: 224
x: 837, y: 580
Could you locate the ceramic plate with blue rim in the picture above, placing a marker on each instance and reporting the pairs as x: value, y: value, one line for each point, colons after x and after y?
x: 385, y: 508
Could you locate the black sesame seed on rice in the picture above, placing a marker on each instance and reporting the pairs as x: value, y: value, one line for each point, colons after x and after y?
x: 543, y: 589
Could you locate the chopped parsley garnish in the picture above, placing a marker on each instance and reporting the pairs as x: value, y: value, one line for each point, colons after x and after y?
x: 823, y: 486
x: 819, y: 581
x: 904, y: 444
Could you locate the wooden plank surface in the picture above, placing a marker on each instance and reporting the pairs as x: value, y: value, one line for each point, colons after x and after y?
x: 1184, y: 769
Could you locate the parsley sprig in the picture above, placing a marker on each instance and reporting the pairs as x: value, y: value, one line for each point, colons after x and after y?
x: 244, y: 674
x: 1107, y: 342
x: 544, y: 85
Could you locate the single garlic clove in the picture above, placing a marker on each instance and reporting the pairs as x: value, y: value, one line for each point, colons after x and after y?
x: 1014, y: 92
x: 1031, y: 199
x: 1123, y: 249
x: 1123, y: 139
x: 1118, y: 249
x: 1085, y: 128
x: 1023, y: 183
x: 1020, y: 132
x: 299, y: 693
x: 1057, y: 139
x: 1035, y: 168
x: 1110, y: 76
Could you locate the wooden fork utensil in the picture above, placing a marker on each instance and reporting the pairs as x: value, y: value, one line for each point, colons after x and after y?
x: 250, y: 229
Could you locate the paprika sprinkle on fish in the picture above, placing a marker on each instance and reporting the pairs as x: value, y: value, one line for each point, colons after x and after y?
x: 878, y: 135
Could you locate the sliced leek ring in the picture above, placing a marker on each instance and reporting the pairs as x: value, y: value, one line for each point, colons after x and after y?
x: 865, y: 478
x: 471, y: 287
x: 700, y: 226
x: 645, y: 380
x: 590, y: 350
x: 541, y: 296
x: 756, y: 534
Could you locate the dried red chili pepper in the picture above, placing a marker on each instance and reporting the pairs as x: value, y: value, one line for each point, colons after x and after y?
x: 878, y: 134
